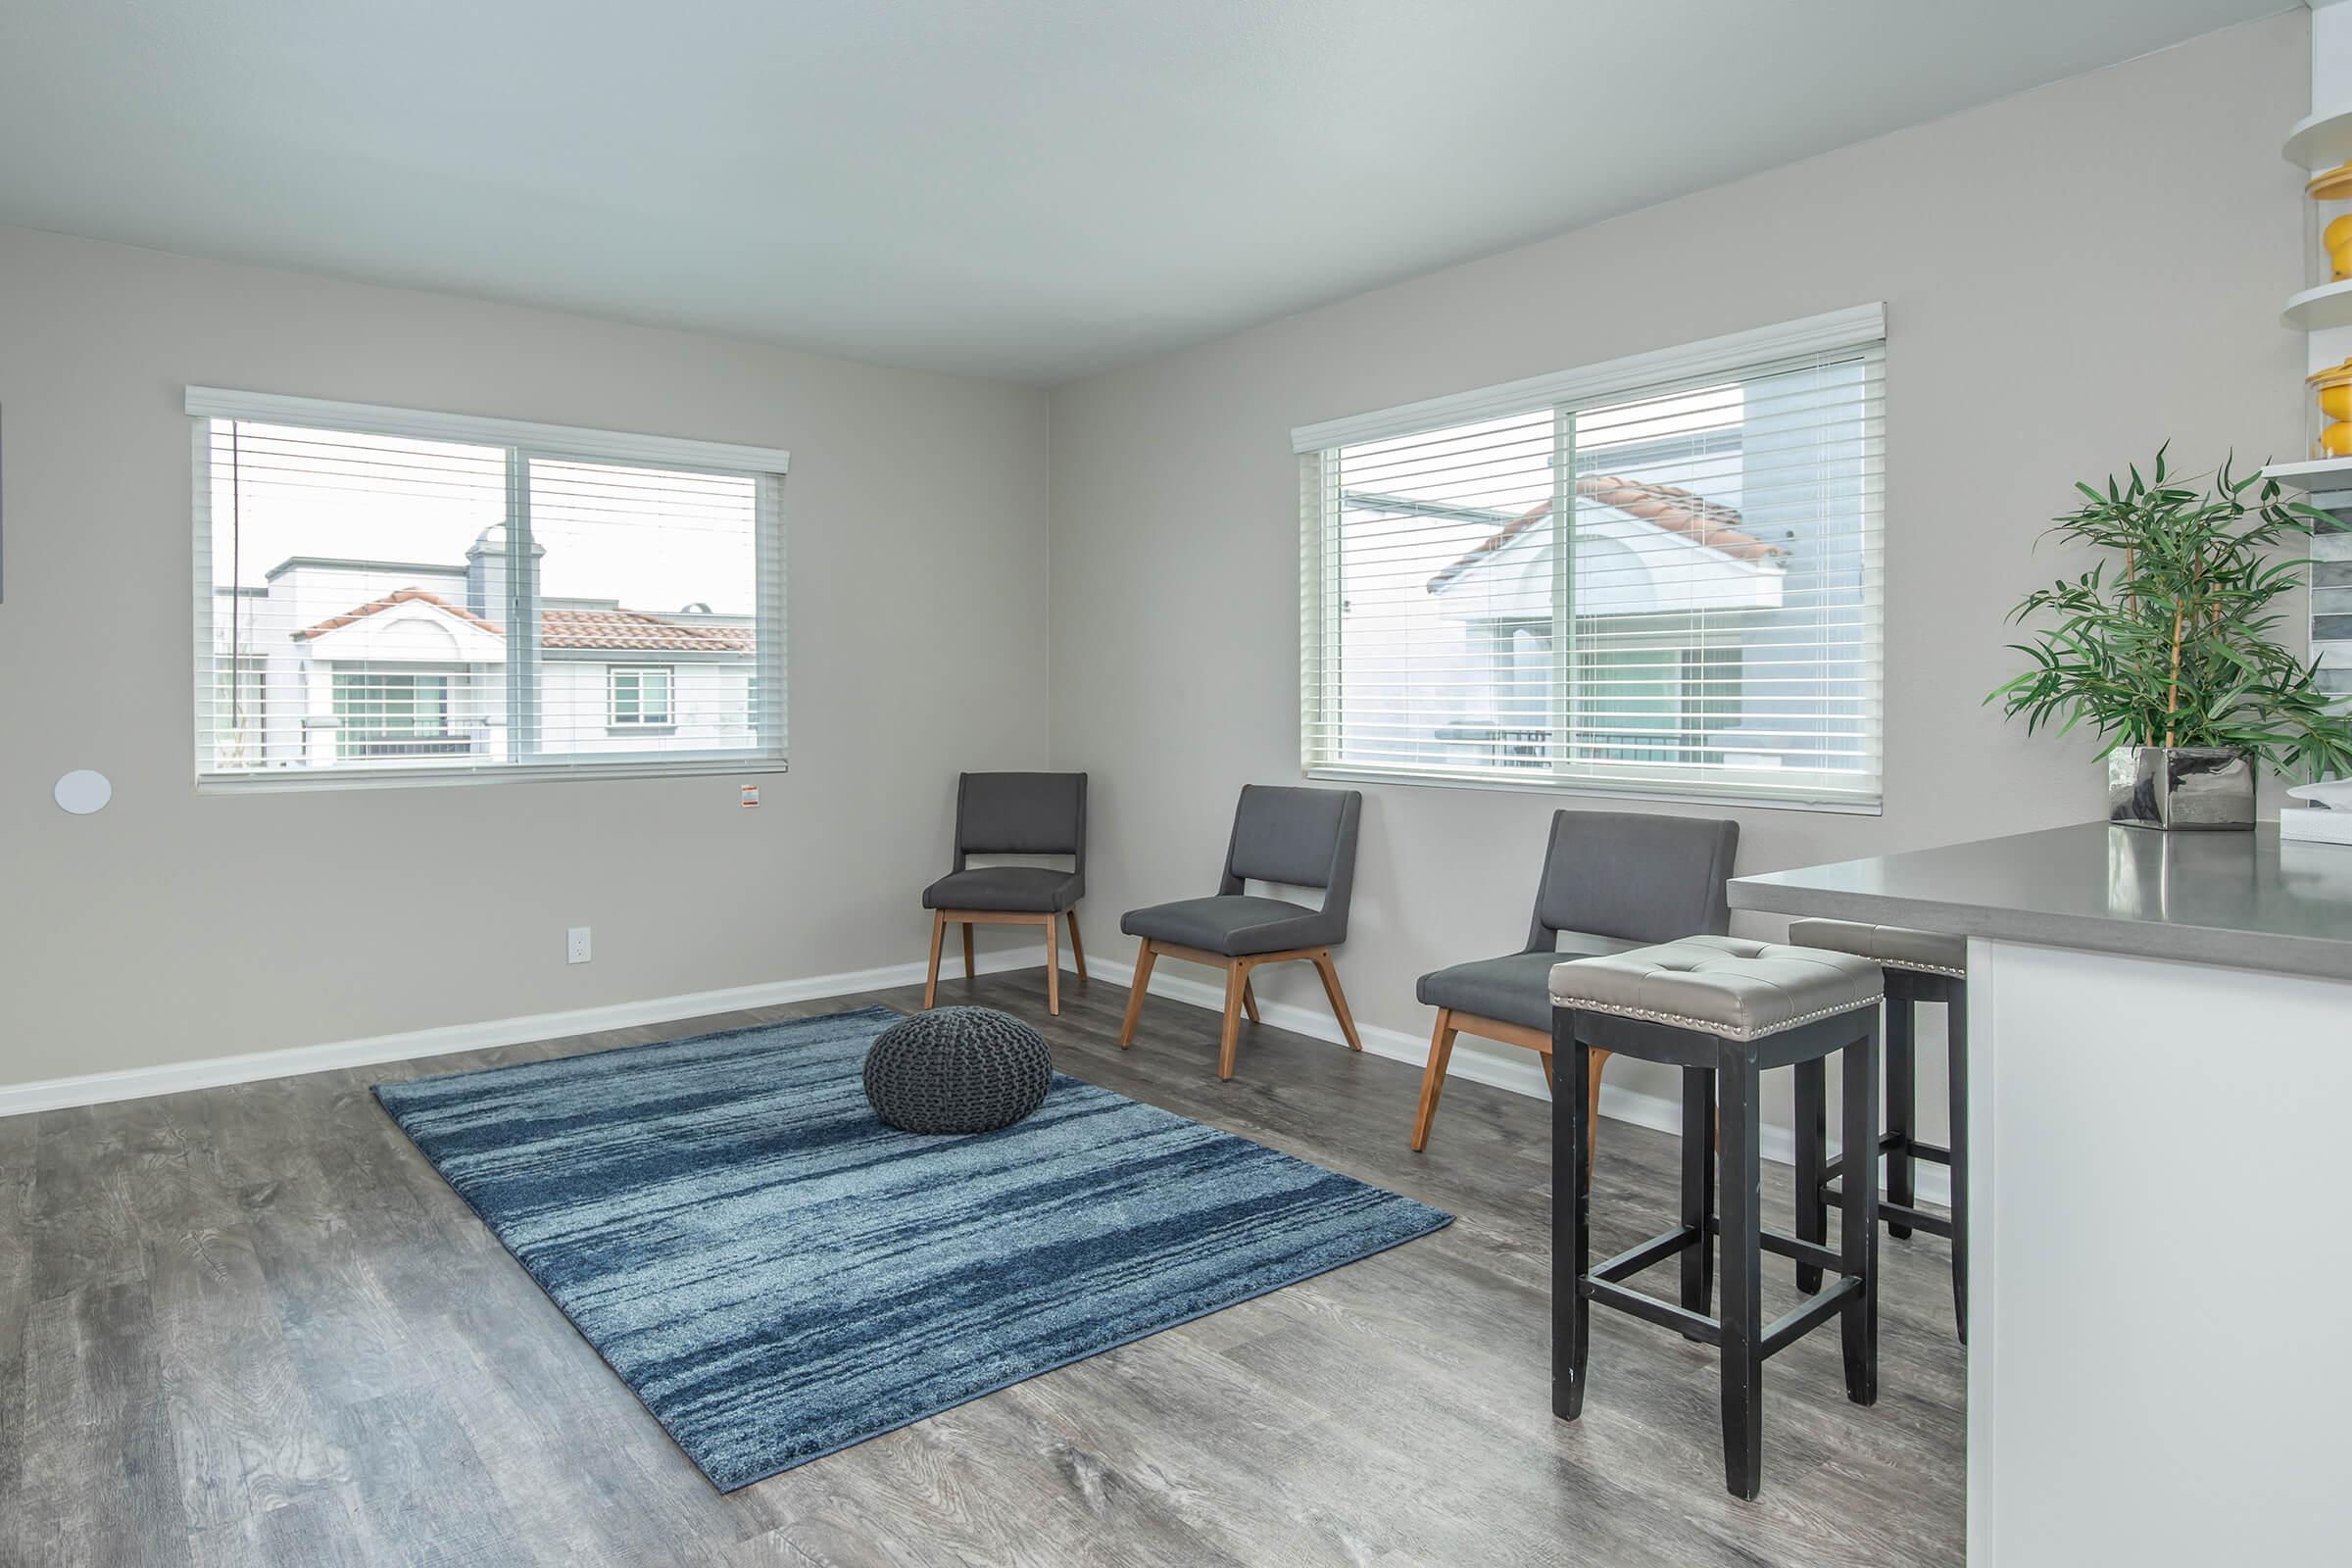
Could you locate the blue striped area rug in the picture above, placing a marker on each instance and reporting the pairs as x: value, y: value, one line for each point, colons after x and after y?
x: 778, y: 1275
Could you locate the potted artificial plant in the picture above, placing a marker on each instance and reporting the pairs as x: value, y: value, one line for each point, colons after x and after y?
x: 2164, y: 648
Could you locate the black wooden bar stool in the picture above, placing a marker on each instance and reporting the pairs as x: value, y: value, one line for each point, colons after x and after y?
x: 1723, y: 1009
x: 1919, y: 967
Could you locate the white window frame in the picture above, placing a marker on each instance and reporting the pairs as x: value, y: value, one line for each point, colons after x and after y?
x: 1861, y: 328
x: 525, y: 441
x: 669, y: 697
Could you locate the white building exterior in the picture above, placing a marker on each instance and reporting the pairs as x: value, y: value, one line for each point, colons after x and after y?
x: 1459, y: 669
x: 371, y: 663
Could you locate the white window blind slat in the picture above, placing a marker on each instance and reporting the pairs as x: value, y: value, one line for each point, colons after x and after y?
x: 379, y: 599
x: 1659, y: 577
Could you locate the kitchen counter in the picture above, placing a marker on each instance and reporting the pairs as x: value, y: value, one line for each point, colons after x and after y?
x: 2159, y: 1047
x: 2243, y: 899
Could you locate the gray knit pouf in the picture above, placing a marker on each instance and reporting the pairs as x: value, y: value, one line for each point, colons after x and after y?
x: 958, y: 1070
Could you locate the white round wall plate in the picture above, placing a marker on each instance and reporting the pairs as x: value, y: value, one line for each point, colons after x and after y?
x: 83, y: 791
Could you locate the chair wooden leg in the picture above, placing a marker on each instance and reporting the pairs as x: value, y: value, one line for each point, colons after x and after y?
x: 1249, y: 1001
x: 968, y: 949
x: 1433, y: 1077
x: 1237, y: 978
x: 1599, y: 1060
x: 1548, y: 1081
x: 1136, y: 986
x: 1339, y: 1000
x: 1052, y: 967
x: 1077, y: 948
x: 939, y: 935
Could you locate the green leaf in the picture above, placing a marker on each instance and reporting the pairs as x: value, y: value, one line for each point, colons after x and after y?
x: 2205, y: 561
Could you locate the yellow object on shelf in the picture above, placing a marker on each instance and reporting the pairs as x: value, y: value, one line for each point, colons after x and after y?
x: 2333, y: 188
x: 2333, y: 389
x: 2337, y: 238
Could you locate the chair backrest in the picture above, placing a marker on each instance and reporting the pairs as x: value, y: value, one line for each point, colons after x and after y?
x: 1020, y: 814
x: 1301, y: 837
x: 1635, y: 877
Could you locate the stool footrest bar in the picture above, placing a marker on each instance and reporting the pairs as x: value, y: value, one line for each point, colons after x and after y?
x: 1665, y: 1314
x: 1895, y: 1213
x: 1808, y: 1315
x: 1657, y: 1249
x: 1893, y: 1143
x: 1802, y: 1250
x: 1919, y: 1219
x: 1783, y: 1244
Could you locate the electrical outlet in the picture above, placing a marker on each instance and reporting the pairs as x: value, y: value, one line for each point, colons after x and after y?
x: 576, y: 947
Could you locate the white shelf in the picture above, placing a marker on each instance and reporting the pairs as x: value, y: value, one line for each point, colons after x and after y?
x: 2320, y: 141
x: 2318, y: 475
x: 2328, y: 305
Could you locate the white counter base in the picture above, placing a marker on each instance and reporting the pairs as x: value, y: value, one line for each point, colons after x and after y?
x: 2160, y: 1291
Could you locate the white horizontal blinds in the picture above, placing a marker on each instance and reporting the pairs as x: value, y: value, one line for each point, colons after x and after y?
x: 1668, y: 587
x: 377, y: 604
x: 648, y: 628
x: 337, y: 624
x: 1727, y: 605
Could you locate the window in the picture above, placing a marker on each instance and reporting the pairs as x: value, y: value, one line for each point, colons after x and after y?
x: 640, y: 695
x: 394, y: 714
x: 1657, y: 576
x: 384, y: 594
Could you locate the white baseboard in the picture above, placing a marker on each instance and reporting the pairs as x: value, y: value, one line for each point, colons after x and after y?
x: 1485, y: 1062
x: 1480, y: 1061
x: 171, y: 1078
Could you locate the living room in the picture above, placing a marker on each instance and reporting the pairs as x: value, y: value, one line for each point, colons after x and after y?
x: 870, y: 784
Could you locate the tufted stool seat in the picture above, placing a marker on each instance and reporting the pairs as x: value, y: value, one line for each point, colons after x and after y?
x: 1723, y: 1009
x: 1895, y: 945
x: 1921, y: 966
x: 1731, y: 987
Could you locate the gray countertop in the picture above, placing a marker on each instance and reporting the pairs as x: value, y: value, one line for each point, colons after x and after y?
x: 2242, y: 899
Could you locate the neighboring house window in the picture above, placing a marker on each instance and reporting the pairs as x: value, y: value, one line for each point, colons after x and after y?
x: 640, y: 695
x: 383, y: 593
x: 1657, y: 576
x: 393, y: 713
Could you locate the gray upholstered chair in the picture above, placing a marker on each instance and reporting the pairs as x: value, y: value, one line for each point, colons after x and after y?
x: 1013, y: 813
x: 1295, y: 837
x: 1612, y: 880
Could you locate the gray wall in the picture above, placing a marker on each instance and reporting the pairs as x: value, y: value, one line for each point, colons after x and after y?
x: 173, y: 926
x: 2071, y: 277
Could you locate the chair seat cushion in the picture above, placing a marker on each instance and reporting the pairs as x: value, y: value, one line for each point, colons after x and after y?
x: 1006, y: 889
x: 1234, y: 924
x: 1514, y: 988
x: 1725, y: 986
x: 1898, y: 947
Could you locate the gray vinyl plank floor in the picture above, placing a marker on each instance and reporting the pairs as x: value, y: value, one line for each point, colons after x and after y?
x: 251, y: 1326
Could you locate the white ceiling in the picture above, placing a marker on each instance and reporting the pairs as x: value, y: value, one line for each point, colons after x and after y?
x: 1036, y: 189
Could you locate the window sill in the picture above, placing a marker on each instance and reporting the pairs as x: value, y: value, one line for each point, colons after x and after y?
x: 275, y: 781
x: 1729, y: 798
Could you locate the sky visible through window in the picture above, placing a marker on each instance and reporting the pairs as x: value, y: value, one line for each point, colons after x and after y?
x: 653, y: 539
